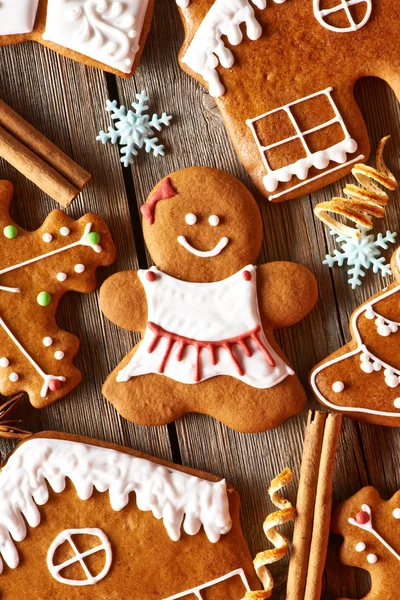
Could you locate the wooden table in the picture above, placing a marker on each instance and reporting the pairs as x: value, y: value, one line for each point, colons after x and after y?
x: 66, y: 102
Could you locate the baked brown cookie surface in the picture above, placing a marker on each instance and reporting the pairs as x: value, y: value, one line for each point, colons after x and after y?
x: 37, y: 268
x: 362, y: 379
x: 107, y: 34
x: 206, y: 312
x: 283, y: 75
x: 115, y: 523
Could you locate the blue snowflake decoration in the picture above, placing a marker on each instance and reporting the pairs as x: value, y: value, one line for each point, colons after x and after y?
x: 134, y: 129
x: 361, y: 254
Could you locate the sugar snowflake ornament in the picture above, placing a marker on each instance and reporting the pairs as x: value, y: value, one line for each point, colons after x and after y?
x: 361, y: 254
x: 134, y: 129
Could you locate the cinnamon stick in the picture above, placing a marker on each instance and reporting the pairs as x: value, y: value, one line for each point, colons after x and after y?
x: 36, y: 157
x: 314, y: 505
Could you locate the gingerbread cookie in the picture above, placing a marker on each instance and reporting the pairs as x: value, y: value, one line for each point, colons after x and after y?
x: 115, y: 523
x: 107, y: 34
x: 37, y: 269
x: 283, y: 75
x: 206, y: 312
x: 370, y: 527
x: 362, y: 379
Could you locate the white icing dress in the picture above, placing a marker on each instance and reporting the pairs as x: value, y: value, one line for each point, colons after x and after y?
x: 196, y: 331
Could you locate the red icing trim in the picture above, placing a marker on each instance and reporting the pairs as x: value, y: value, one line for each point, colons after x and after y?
x: 183, y: 342
x: 164, y: 191
x: 150, y: 276
x: 246, y: 275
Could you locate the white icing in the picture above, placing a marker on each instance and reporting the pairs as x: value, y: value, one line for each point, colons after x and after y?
x: 210, y: 312
x: 396, y: 403
x: 47, y: 237
x: 4, y: 362
x: 342, y: 5
x: 66, y: 536
x: 17, y: 19
x: 47, y: 341
x: 65, y: 231
x: 61, y: 277
x: 385, y: 327
x: 320, y: 160
x: 79, y: 268
x: 183, y: 3
x: 13, y: 377
x: 196, y: 591
x: 360, y: 547
x: 179, y: 499
x: 106, y: 30
x: 207, y: 49
x: 370, y: 529
x: 213, y: 220
x: 223, y: 242
x: 338, y: 387
x: 368, y: 362
x: 59, y: 355
x: 396, y: 513
x: 191, y: 219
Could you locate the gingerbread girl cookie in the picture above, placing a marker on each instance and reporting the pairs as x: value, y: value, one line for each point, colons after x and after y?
x: 107, y: 34
x: 37, y: 268
x: 115, y: 523
x: 283, y: 75
x: 206, y: 312
x: 370, y: 527
x: 362, y: 379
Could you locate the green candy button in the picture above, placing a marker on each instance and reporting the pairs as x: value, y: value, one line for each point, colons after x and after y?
x: 93, y: 238
x: 10, y: 232
x: 44, y: 298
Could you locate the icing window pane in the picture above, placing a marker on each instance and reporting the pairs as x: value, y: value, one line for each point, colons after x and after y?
x: 16, y: 20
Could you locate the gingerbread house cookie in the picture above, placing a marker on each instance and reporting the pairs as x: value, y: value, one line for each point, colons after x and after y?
x: 283, y: 75
x: 362, y: 379
x: 107, y: 34
x: 115, y: 523
x: 206, y: 312
x: 370, y: 527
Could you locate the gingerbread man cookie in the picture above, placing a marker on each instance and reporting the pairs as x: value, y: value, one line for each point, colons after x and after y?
x: 206, y: 312
x: 115, y: 523
x: 370, y: 527
x: 362, y: 379
x: 283, y: 75
x: 107, y: 34
x: 37, y: 268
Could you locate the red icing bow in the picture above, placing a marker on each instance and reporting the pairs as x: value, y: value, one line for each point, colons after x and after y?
x: 164, y: 191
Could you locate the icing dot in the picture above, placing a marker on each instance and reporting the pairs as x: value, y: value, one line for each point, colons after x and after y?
x: 396, y: 513
x: 213, y: 220
x: 384, y: 330
x: 93, y: 238
x: 61, y: 276
x: 54, y: 385
x: 47, y: 237
x: 372, y: 559
x: 47, y: 341
x: 79, y: 268
x: 392, y: 381
x: 44, y: 298
x: 10, y: 232
x: 13, y: 377
x: 59, y: 355
x: 397, y: 403
x: 150, y: 276
x: 367, y: 367
x: 65, y: 231
x: 362, y: 517
x: 191, y: 219
x: 338, y: 386
x: 246, y: 275
x: 4, y: 362
x: 360, y: 547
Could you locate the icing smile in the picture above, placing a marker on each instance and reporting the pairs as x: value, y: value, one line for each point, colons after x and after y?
x: 223, y: 242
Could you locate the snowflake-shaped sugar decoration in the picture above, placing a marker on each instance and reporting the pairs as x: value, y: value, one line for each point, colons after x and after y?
x: 134, y: 129
x: 361, y: 254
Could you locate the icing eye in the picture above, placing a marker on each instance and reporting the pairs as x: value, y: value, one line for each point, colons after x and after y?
x: 191, y: 219
x: 213, y: 220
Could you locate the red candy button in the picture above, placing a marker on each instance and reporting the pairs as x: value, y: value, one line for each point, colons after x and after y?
x: 246, y: 275
x: 362, y: 517
x: 150, y: 276
x: 54, y: 385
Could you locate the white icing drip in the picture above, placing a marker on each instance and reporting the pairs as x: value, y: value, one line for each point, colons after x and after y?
x: 179, y: 499
x: 390, y: 373
x: 320, y: 160
x: 223, y: 242
x: 385, y: 327
x: 17, y: 19
x: 370, y: 529
x: 207, y: 49
x: 105, y: 30
x: 196, y: 591
x: 342, y: 5
x: 66, y: 536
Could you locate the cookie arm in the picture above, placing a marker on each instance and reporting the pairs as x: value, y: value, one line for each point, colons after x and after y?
x: 123, y: 301
x: 286, y: 293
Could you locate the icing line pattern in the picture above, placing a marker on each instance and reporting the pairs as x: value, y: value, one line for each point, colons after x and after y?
x: 196, y: 591
x: 342, y: 5
x: 368, y: 526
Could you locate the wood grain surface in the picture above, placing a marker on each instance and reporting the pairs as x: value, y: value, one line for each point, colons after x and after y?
x: 66, y: 102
